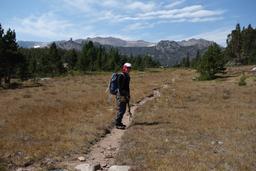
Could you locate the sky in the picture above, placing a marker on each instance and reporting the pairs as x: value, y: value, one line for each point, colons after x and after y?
x: 149, y: 20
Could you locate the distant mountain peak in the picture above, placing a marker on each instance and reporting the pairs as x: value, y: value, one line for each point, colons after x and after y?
x: 167, y: 44
x: 117, y: 42
x: 195, y: 42
x: 167, y: 52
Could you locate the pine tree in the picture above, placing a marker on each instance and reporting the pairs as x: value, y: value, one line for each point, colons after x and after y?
x: 87, y: 57
x: 11, y: 58
x: 196, y: 60
x: 99, y: 59
x: 248, y: 44
x: 211, y: 63
x: 113, y: 59
x: 1, y: 54
x: 234, y: 44
x: 70, y: 57
x: 187, y: 61
x: 22, y: 68
x: 139, y: 63
x: 241, y: 45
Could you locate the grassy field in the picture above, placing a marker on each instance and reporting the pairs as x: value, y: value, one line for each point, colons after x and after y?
x: 63, y: 117
x: 195, y: 125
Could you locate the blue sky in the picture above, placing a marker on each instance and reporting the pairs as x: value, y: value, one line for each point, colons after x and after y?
x: 151, y: 20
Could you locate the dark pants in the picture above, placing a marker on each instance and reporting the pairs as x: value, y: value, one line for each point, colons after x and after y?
x: 121, y: 110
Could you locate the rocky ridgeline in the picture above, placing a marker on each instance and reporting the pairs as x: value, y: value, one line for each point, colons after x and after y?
x: 167, y: 52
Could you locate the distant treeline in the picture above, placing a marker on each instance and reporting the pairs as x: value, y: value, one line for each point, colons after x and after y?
x: 241, y: 45
x: 53, y: 61
x: 23, y: 63
x: 240, y: 50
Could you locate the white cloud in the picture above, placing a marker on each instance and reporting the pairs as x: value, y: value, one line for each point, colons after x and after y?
x: 197, y: 20
x: 95, y: 5
x: 46, y: 26
x: 81, y: 5
x: 125, y: 15
x: 116, y: 11
x: 138, y: 26
x: 189, y: 12
x: 174, y: 4
x: 137, y: 5
x: 109, y: 3
x: 206, y: 13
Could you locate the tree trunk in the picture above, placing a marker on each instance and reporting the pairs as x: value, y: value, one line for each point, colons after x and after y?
x: 7, y: 78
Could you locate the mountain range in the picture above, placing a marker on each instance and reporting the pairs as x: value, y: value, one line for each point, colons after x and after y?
x: 167, y: 52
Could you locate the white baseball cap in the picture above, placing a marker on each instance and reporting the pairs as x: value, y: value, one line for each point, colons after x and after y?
x: 128, y: 65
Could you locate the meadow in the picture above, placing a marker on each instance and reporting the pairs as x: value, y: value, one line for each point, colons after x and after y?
x: 63, y: 117
x: 195, y: 125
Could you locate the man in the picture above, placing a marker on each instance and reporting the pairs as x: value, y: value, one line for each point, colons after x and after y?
x: 123, y: 94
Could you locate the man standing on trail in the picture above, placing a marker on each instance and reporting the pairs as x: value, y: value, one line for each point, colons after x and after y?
x: 123, y: 94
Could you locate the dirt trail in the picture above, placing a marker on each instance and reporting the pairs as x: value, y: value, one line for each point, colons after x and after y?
x: 105, y: 150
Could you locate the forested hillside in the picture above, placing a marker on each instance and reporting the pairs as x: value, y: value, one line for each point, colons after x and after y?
x: 24, y: 63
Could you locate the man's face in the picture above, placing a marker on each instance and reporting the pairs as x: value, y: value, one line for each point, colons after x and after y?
x: 129, y: 69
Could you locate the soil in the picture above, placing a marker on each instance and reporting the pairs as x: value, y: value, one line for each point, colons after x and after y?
x: 105, y: 150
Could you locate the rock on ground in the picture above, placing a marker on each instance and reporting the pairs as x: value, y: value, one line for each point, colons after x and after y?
x: 119, y: 168
x: 87, y: 167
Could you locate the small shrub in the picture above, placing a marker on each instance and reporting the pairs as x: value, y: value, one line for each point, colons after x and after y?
x: 242, y: 81
x: 205, y: 77
x: 2, y: 166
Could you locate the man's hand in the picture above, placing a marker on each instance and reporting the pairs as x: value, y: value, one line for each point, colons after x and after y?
x: 129, y: 110
x: 123, y: 99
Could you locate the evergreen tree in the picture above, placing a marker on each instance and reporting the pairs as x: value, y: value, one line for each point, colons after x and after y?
x: 113, y: 59
x: 248, y: 44
x: 241, y: 45
x: 196, y: 60
x: 1, y: 54
x: 56, y: 66
x: 10, y: 58
x: 48, y: 61
x: 22, y: 68
x: 139, y: 63
x: 71, y: 58
x: 234, y: 44
x: 104, y: 59
x: 34, y: 67
x: 187, y: 61
x: 148, y: 61
x: 211, y: 63
x: 87, y: 57
x: 91, y: 55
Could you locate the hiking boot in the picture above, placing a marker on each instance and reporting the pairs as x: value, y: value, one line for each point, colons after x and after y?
x: 120, y: 126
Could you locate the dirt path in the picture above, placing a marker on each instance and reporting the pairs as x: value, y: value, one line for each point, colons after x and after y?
x: 105, y: 150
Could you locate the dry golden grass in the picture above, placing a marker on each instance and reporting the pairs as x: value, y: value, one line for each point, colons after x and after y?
x: 63, y: 117
x: 209, y: 125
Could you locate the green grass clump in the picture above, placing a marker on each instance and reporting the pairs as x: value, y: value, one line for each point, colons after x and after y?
x: 242, y: 81
x: 254, y: 78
